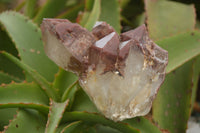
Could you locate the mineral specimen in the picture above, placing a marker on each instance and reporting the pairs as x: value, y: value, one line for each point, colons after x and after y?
x: 121, y: 74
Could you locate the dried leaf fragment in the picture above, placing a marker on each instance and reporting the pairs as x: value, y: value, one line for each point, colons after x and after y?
x: 121, y: 74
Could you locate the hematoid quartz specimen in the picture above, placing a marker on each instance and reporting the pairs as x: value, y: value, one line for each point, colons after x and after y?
x: 121, y: 74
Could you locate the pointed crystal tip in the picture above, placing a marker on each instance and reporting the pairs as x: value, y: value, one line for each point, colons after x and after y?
x: 120, y: 74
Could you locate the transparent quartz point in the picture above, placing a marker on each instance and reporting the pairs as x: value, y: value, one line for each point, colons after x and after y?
x: 66, y: 43
x: 121, y: 74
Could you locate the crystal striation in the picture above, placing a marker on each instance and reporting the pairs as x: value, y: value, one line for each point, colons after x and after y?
x: 120, y: 74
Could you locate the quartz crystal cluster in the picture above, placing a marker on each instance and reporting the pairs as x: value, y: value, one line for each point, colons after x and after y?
x: 121, y: 74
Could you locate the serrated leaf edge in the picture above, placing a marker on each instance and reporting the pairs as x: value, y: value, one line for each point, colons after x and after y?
x: 50, y: 111
x: 26, y: 19
x: 10, y: 121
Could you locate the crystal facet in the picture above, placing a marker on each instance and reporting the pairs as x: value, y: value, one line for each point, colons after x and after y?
x: 120, y: 74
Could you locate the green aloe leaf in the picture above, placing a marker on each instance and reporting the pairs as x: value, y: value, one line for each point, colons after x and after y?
x: 71, y: 3
x: 6, y: 78
x: 83, y: 17
x: 131, y: 11
x: 94, y: 15
x: 70, y: 94
x: 23, y: 95
x: 27, y: 121
x: 20, y: 6
x: 83, y: 103
x: 63, y: 80
x: 6, y: 115
x: 105, y: 129
x: 55, y: 115
x: 22, y: 92
x: 78, y: 127
x: 171, y: 108
x: 88, y: 18
x: 110, y: 12
x: 166, y: 18
x: 9, y: 70
x: 72, y: 13
x: 27, y: 38
x: 95, y: 118
x: 30, y: 8
x: 197, y: 25
x: 7, y: 66
x: 196, y: 75
x: 123, y: 3
x: 89, y: 4
x: 140, y: 19
x: 144, y: 125
x: 50, y: 9
x: 181, y: 48
x: 44, y: 84
x: 70, y: 126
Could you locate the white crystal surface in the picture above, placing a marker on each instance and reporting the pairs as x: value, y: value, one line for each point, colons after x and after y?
x: 193, y: 125
x: 102, y: 42
x: 120, y: 97
x: 122, y: 44
x: 97, y: 24
x: 56, y: 51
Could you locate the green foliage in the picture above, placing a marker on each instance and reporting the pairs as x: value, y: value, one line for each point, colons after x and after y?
x: 55, y: 115
x: 30, y: 8
x: 44, y: 84
x: 83, y: 103
x: 71, y: 14
x: 27, y: 121
x: 27, y: 39
x: 97, y: 118
x: 144, y: 125
x: 6, y: 115
x: 180, y: 55
x: 110, y: 13
x: 173, y: 104
x: 105, y: 129
x: 77, y: 127
x: 17, y: 93
x: 178, y: 88
x: 93, y: 16
x: 70, y: 93
x: 72, y: 127
x: 7, y: 67
x: 167, y: 18
x: 6, y: 78
x: 63, y: 80
x: 23, y: 95
x: 25, y: 107
x: 49, y: 10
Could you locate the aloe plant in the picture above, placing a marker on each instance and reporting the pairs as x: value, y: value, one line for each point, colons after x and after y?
x: 38, y: 96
